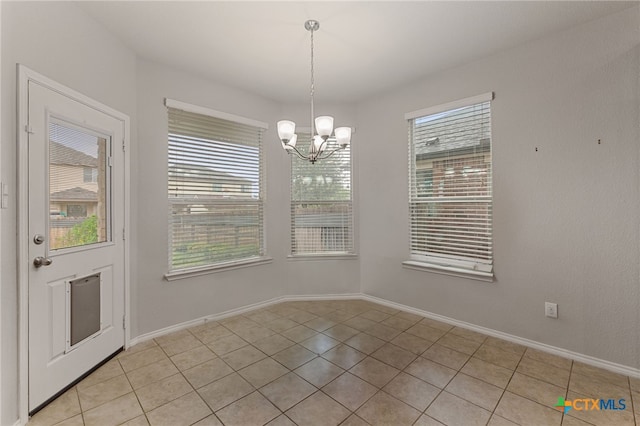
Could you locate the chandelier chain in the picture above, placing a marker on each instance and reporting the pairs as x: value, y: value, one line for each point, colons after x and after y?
x: 318, y: 143
x: 312, y: 90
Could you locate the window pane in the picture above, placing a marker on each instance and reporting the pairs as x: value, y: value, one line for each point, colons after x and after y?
x: 451, y: 206
x: 321, y: 212
x: 78, y: 187
x: 322, y: 228
x: 461, y: 230
x: 214, y: 191
x: 204, y: 234
x: 328, y: 179
x: 207, y: 169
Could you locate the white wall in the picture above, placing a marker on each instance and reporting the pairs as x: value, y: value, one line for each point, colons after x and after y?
x: 565, y: 217
x: 158, y: 303
x: 61, y: 42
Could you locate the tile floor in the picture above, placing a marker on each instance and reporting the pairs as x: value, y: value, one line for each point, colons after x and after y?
x: 337, y: 362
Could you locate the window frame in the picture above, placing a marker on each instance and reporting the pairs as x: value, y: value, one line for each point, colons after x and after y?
x: 328, y: 255
x: 432, y: 263
x: 92, y: 173
x: 176, y: 274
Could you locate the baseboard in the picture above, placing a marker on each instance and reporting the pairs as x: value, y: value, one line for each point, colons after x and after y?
x: 312, y: 297
x: 596, y: 362
x: 240, y: 311
x: 216, y: 317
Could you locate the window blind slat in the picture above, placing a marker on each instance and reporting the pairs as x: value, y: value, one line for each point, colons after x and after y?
x: 215, y: 190
x: 321, y: 204
x: 450, y: 185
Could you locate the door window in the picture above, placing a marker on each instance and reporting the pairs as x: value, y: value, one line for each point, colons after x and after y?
x: 78, y: 207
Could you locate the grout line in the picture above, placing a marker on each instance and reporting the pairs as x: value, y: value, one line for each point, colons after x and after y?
x: 187, y: 380
x: 566, y: 394
x: 368, y: 306
x: 504, y: 390
x: 459, y: 371
x: 633, y: 403
x: 144, y: 413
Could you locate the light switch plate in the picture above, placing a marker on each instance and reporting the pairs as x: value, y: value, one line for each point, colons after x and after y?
x: 4, y: 196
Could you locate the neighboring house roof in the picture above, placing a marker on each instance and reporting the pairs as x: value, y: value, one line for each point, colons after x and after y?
x: 460, y: 132
x: 62, y: 154
x: 460, y: 144
x: 75, y: 194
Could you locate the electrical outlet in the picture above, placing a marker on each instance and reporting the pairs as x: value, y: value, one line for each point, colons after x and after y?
x: 551, y: 310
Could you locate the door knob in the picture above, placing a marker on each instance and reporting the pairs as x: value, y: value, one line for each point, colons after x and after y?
x: 42, y: 261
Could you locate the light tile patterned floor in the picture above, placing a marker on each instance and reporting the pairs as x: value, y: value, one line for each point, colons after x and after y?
x: 337, y: 362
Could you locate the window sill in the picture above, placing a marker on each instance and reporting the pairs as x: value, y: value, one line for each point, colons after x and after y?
x: 448, y: 270
x: 221, y: 267
x: 336, y: 256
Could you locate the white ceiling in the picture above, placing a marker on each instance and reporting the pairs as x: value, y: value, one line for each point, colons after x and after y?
x: 362, y: 48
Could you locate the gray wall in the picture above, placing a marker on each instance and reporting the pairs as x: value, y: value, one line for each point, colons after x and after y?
x: 565, y: 217
x: 61, y: 42
x: 158, y: 303
x: 320, y: 276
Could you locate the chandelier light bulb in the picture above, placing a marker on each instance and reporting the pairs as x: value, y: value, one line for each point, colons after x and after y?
x: 286, y: 129
x: 318, y: 143
x: 291, y: 144
x: 324, y: 125
x: 343, y: 136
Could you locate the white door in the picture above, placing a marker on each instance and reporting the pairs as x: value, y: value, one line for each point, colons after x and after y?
x: 76, y: 248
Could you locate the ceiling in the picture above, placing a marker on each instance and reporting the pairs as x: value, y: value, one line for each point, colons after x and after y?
x: 362, y: 48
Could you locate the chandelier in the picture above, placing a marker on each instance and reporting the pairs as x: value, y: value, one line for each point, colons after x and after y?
x: 321, y: 132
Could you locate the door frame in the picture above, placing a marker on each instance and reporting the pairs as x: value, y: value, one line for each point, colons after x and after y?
x: 26, y: 75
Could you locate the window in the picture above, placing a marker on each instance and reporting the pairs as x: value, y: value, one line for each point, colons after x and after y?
x: 90, y: 175
x: 450, y: 188
x: 215, y: 189
x: 321, y: 205
x: 76, y: 210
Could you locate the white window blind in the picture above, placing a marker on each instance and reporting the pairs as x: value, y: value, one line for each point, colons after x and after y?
x: 450, y: 188
x: 215, y: 188
x: 321, y: 205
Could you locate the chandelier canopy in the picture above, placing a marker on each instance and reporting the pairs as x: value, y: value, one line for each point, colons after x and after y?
x: 321, y: 127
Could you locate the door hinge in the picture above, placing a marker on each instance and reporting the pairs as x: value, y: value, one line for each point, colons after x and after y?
x: 124, y: 322
x: 124, y: 234
x: 110, y: 161
x: 123, y: 145
x: 28, y: 129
